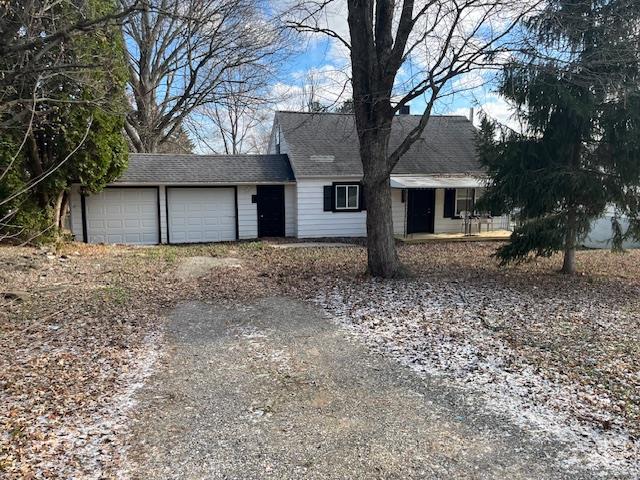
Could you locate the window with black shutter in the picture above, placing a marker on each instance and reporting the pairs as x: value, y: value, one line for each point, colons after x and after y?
x: 343, y: 197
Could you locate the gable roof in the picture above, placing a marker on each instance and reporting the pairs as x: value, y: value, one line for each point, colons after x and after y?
x: 193, y: 169
x: 447, y: 145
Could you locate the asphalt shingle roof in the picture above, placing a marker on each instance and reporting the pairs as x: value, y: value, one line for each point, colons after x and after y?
x: 447, y: 145
x: 193, y: 169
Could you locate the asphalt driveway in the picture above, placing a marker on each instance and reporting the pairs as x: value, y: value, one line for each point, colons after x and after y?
x: 276, y: 390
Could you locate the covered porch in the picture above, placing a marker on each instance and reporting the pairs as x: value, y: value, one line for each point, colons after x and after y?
x: 490, y: 236
x: 443, y: 207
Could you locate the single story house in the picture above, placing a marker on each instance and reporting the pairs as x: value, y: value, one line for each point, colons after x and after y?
x: 306, y: 186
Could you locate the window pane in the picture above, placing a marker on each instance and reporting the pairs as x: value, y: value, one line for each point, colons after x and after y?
x: 341, y: 197
x: 353, y: 197
x: 464, y: 200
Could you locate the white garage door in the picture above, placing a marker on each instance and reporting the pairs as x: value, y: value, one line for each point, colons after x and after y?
x: 201, y: 214
x: 123, y: 215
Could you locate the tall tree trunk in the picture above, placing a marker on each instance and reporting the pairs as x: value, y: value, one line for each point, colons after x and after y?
x: 374, y: 66
x: 381, y: 250
x: 569, y: 263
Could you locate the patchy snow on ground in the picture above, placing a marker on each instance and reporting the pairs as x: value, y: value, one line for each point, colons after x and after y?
x: 92, y: 444
x: 451, y: 330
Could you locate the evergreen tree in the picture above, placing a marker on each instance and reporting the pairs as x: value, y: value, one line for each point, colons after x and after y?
x: 578, y: 94
x: 72, y: 132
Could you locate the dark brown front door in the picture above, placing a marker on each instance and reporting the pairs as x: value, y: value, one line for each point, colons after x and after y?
x: 270, y: 200
x: 420, y: 210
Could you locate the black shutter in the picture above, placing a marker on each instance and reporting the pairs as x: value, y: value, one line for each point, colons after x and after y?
x: 449, y: 202
x: 361, y: 201
x: 328, y: 198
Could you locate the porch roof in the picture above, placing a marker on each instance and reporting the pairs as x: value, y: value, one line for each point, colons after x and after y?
x: 438, y: 181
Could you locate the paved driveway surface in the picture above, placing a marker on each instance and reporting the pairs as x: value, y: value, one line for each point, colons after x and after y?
x: 275, y: 390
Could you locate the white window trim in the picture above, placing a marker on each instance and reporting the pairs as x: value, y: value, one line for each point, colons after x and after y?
x: 470, y: 191
x: 346, y: 198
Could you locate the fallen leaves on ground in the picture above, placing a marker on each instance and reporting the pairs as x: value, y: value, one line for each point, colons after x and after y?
x: 80, y: 329
x: 73, y: 348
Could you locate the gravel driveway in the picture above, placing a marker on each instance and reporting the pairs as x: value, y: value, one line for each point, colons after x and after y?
x: 276, y: 390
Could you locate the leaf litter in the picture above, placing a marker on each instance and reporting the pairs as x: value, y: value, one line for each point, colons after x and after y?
x: 81, y: 329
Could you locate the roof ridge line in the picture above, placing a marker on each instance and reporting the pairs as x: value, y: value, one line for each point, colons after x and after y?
x: 351, y: 114
x: 208, y: 154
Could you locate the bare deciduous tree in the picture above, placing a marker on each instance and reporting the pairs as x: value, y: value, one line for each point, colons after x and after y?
x: 237, y: 122
x: 436, y: 41
x: 182, y: 54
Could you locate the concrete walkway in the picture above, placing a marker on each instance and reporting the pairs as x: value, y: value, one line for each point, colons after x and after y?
x: 275, y: 390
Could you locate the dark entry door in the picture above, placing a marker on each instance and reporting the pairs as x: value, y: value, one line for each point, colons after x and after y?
x: 270, y: 201
x: 420, y: 210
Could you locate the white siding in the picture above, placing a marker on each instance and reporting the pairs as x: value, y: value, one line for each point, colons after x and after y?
x: 398, y: 211
x: 442, y: 224
x: 247, y: 212
x: 272, y: 142
x: 75, y: 212
x: 456, y: 225
x: 290, y: 211
x: 314, y: 222
x: 163, y: 214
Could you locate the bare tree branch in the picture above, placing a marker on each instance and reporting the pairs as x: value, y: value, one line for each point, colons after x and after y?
x: 181, y: 55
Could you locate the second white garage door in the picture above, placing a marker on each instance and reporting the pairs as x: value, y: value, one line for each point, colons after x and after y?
x: 198, y: 215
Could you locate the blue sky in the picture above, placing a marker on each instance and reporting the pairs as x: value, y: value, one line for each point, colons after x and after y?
x: 320, y: 53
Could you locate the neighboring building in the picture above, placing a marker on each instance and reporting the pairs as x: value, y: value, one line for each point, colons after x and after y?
x: 601, y: 232
x: 308, y: 186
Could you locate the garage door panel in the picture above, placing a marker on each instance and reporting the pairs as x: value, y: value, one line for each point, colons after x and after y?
x: 123, y: 215
x: 199, y: 215
x: 117, y: 224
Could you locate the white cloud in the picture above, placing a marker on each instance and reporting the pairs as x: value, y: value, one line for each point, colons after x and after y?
x: 496, y: 108
x: 330, y: 85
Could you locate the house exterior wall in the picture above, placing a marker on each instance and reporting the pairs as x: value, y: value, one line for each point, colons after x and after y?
x: 75, y: 212
x: 163, y: 214
x: 442, y: 224
x: 314, y: 222
x: 290, y: 211
x: 284, y: 148
x: 305, y: 216
x: 398, y: 212
x: 247, y: 212
x: 601, y: 233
